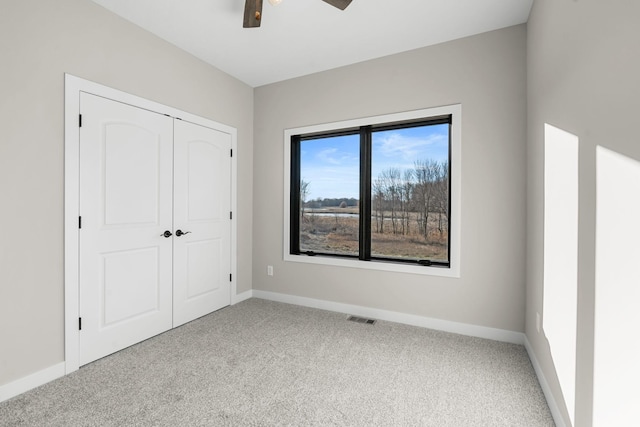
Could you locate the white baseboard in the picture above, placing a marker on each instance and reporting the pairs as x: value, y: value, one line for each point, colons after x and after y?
x: 551, y: 401
x: 24, y: 384
x: 241, y: 297
x: 393, y: 316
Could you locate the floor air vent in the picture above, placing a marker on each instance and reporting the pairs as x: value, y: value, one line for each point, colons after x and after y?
x: 361, y: 320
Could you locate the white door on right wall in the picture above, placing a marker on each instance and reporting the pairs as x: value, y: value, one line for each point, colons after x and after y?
x: 202, y: 223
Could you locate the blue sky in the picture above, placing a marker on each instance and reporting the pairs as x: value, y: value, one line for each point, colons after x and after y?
x: 331, y: 165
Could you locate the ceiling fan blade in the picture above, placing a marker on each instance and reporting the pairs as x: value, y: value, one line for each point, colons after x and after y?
x: 340, y: 4
x: 252, y: 13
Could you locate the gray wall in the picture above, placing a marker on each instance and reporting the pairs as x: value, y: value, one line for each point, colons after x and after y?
x: 583, y: 69
x: 40, y: 40
x: 487, y: 75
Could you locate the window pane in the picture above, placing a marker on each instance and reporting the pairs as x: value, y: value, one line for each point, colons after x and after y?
x: 410, y: 193
x: 329, y: 192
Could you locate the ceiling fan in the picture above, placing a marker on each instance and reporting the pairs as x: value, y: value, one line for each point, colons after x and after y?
x: 253, y: 10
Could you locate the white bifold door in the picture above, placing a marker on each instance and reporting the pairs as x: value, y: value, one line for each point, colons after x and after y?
x: 154, y: 224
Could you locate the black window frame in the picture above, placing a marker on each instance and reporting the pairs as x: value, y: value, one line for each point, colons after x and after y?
x: 366, y: 144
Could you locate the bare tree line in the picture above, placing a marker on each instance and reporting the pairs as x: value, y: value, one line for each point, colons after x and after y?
x: 410, y: 200
x: 412, y: 197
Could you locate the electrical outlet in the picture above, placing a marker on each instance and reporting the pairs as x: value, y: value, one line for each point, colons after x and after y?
x: 269, y: 270
x: 538, y: 322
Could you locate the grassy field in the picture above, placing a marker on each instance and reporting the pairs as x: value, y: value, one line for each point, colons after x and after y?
x: 336, y: 231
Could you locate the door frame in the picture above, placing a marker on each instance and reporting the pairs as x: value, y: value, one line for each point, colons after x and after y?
x: 72, y: 89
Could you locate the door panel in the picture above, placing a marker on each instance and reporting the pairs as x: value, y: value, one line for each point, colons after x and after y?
x: 204, y: 181
x: 200, y: 268
x: 129, y: 285
x: 202, y: 203
x: 125, y: 205
x: 130, y: 151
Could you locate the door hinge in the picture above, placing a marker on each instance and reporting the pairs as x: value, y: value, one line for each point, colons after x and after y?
x: 230, y: 215
x: 79, y: 222
x: 79, y: 323
x: 230, y: 277
x: 80, y: 120
x: 231, y: 152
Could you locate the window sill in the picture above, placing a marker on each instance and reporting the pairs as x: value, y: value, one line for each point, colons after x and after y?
x: 451, y: 271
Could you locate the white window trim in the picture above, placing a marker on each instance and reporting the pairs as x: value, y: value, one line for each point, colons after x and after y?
x: 456, y: 175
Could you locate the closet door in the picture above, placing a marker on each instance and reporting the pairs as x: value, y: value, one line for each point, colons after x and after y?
x: 125, y: 207
x: 202, y: 205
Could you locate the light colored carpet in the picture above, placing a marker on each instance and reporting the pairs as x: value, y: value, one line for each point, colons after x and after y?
x: 261, y: 363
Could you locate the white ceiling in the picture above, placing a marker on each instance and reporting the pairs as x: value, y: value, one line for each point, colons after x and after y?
x: 300, y: 37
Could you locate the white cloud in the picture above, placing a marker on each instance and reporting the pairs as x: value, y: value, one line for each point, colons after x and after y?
x: 407, y: 149
x: 334, y: 156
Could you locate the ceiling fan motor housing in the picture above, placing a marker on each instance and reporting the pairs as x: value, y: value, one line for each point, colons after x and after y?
x: 253, y: 11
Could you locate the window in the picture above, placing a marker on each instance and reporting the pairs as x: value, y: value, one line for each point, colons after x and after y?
x: 378, y: 192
